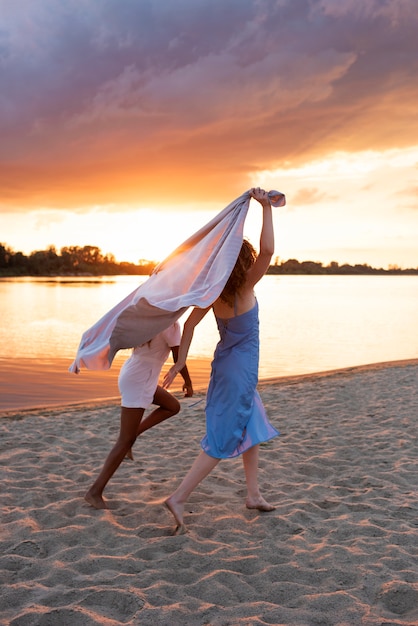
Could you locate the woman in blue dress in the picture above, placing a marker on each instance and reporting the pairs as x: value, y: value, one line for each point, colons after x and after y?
x: 236, y: 422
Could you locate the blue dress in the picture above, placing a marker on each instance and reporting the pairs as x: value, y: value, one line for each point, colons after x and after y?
x: 235, y: 416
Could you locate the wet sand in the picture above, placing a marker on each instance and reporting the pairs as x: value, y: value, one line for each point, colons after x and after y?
x: 32, y: 383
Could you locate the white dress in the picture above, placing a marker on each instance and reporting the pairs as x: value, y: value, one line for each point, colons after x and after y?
x: 138, y: 377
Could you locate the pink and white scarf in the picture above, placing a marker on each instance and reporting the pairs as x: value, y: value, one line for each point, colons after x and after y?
x: 193, y: 275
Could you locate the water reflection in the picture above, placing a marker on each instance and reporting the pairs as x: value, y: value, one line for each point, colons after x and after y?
x: 307, y: 323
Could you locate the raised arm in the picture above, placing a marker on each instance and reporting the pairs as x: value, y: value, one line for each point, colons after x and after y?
x: 266, y: 250
x: 190, y: 324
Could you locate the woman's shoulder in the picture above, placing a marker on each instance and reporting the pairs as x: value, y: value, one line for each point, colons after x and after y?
x: 244, y: 301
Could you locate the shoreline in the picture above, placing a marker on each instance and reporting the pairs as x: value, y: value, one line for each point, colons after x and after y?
x: 25, y: 384
x: 32, y: 384
x: 343, y: 371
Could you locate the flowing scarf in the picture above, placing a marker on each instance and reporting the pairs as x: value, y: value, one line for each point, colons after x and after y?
x: 193, y: 275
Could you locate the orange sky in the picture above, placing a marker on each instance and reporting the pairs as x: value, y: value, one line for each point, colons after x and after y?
x: 128, y: 124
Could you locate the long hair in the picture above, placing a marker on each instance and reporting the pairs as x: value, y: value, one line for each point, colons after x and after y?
x: 236, y: 280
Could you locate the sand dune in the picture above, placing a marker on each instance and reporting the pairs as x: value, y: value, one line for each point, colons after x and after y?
x: 340, y: 549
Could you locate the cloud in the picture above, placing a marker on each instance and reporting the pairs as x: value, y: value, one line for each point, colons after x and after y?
x: 308, y: 196
x: 105, y: 102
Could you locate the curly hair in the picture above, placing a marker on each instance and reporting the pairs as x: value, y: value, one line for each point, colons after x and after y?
x: 236, y: 280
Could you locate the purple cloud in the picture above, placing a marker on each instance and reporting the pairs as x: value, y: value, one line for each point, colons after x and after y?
x: 138, y: 91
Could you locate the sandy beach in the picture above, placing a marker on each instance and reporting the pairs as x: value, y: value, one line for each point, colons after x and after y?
x: 340, y: 549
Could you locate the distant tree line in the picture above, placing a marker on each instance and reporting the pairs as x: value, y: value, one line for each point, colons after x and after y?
x: 89, y: 261
x: 292, y: 266
x: 69, y: 261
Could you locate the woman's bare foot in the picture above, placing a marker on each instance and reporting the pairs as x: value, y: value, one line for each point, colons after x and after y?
x: 176, y: 511
x: 180, y: 530
x: 96, y: 501
x: 260, y: 504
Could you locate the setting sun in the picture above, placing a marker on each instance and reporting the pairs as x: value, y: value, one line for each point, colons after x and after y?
x: 157, y: 124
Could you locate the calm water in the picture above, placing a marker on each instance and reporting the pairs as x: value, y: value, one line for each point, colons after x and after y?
x: 308, y: 323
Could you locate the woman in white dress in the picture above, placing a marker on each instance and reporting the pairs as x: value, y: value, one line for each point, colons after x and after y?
x: 138, y: 386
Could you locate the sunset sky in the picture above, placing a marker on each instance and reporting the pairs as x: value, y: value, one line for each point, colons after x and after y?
x: 128, y: 124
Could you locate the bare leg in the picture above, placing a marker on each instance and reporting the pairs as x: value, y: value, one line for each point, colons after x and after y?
x: 130, y: 420
x: 168, y: 406
x: 202, y: 466
x: 254, y: 498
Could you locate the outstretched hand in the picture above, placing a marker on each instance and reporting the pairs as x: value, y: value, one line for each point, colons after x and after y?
x: 188, y: 390
x: 170, y: 376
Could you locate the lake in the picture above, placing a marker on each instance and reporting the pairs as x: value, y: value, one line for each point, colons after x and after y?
x: 308, y: 323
